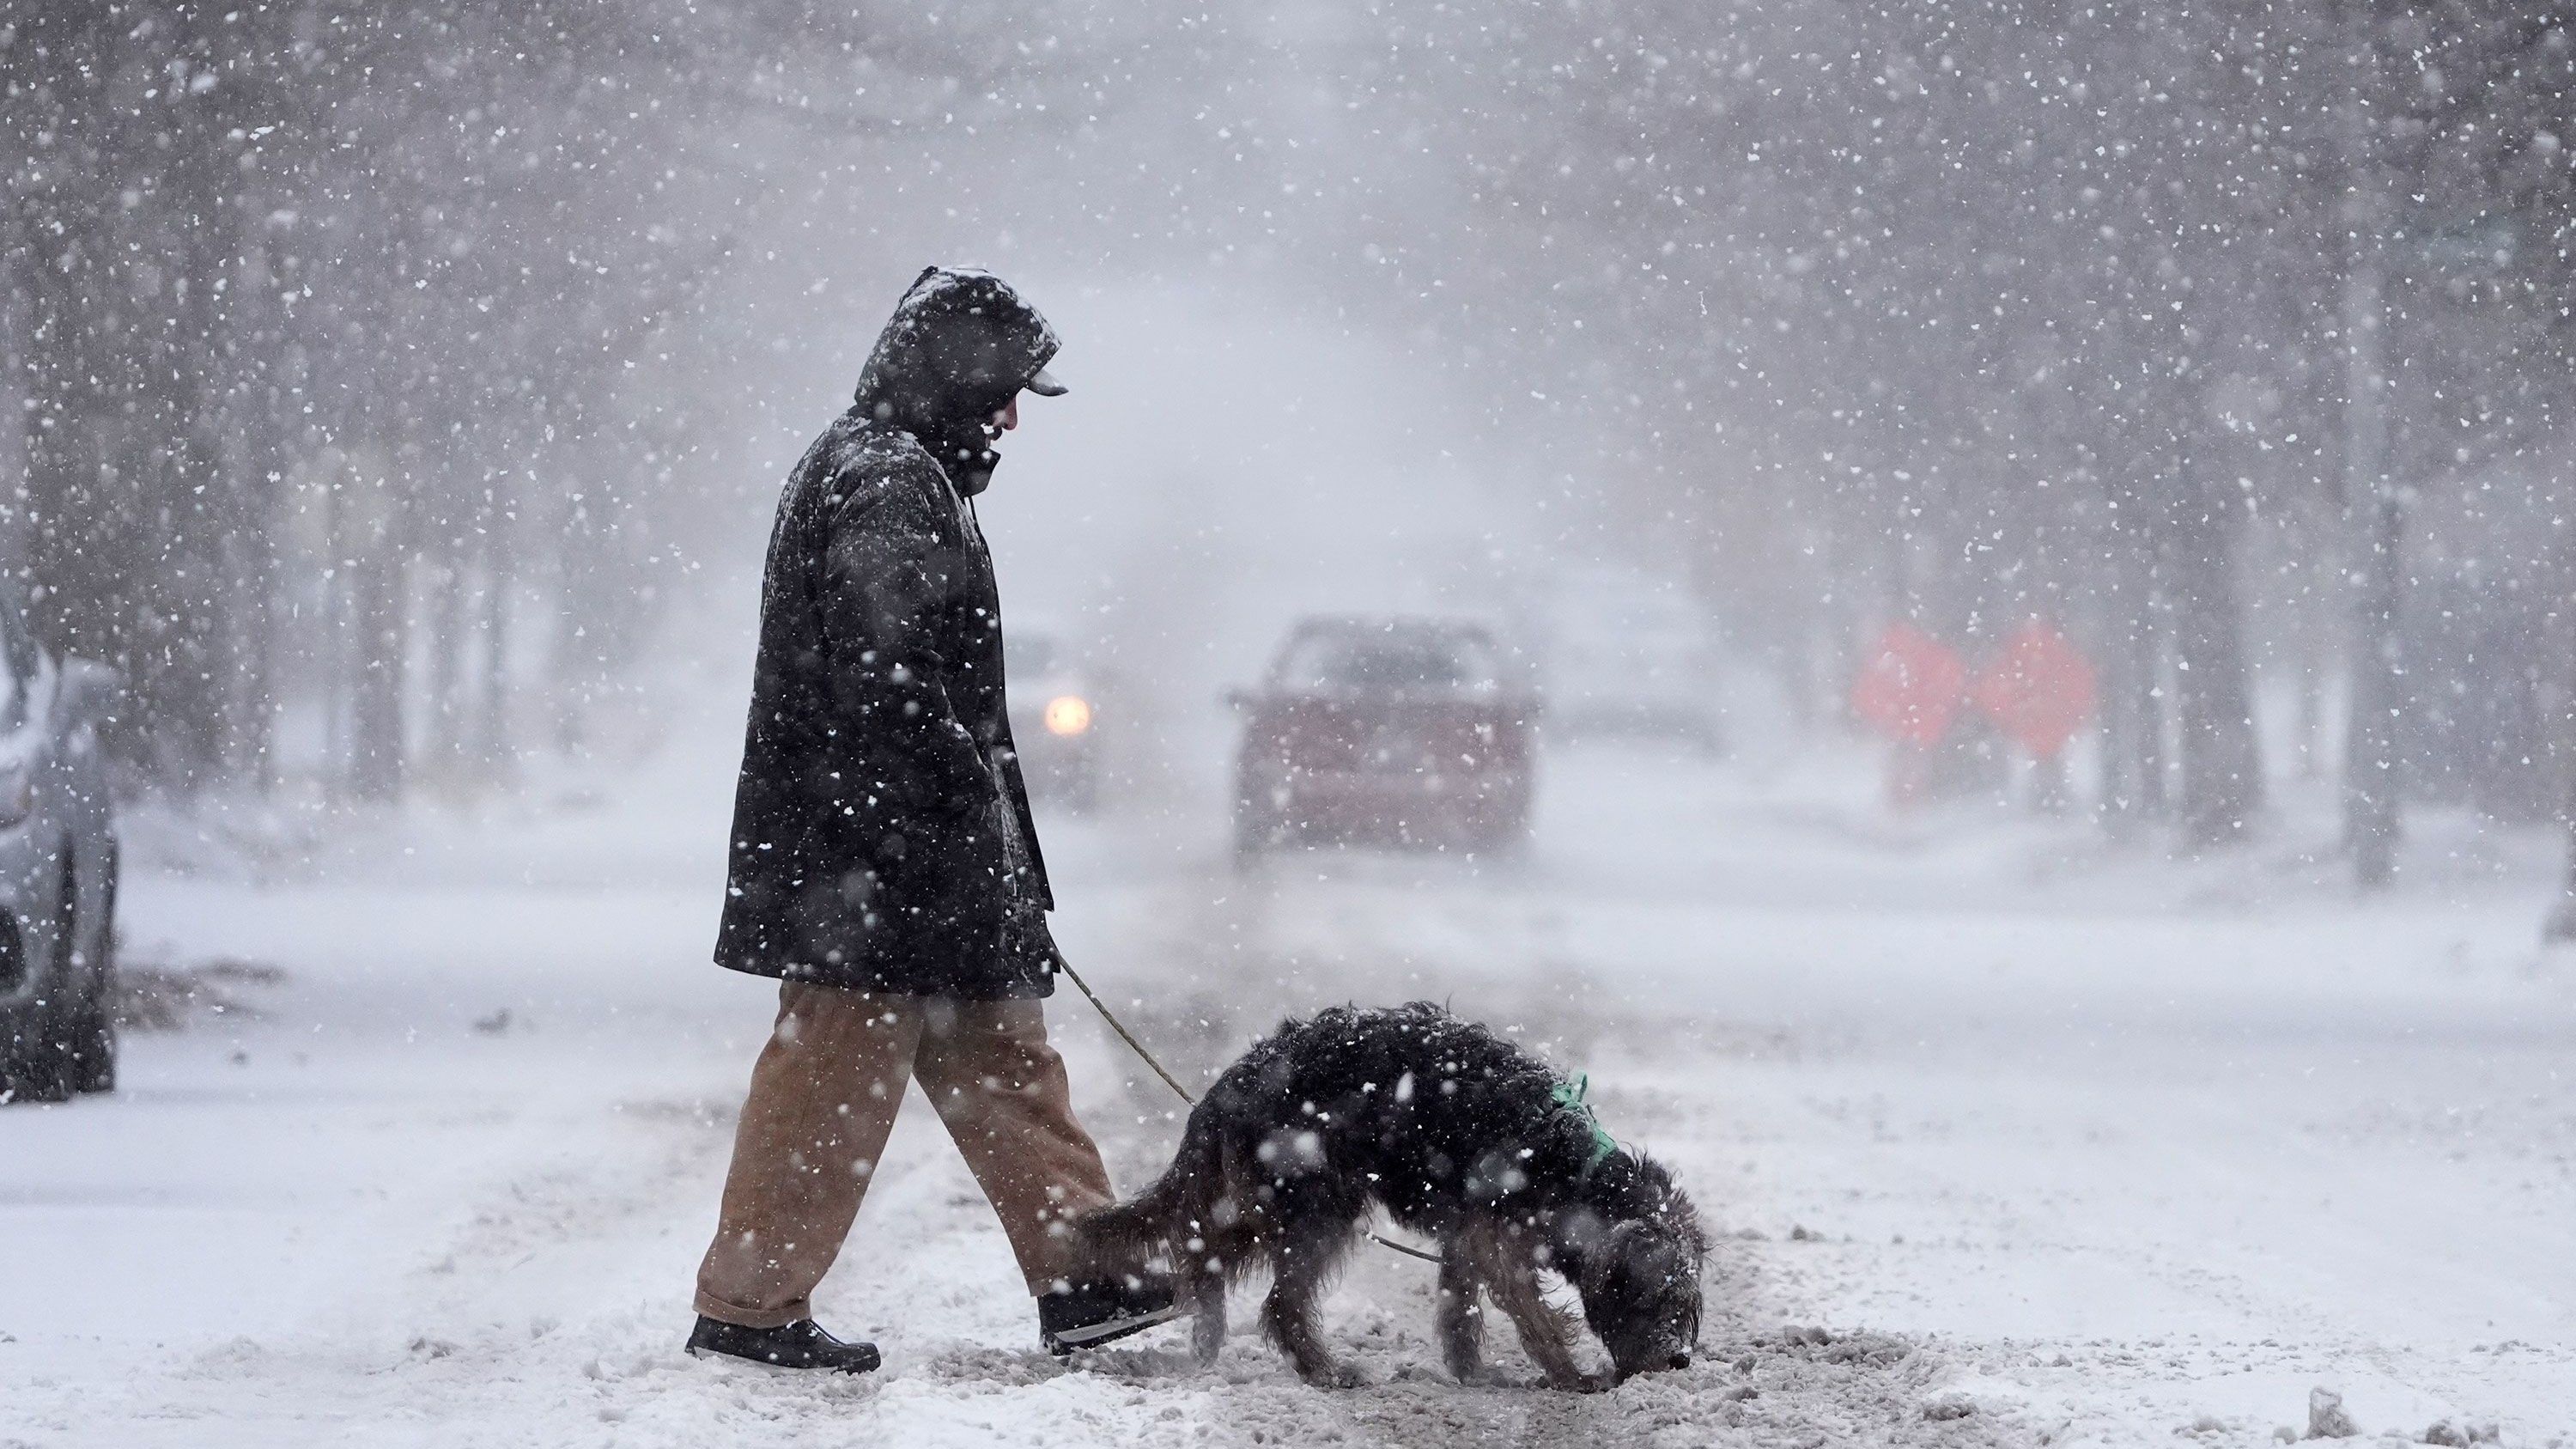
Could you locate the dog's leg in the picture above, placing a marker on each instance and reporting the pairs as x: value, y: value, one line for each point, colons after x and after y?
x: 1301, y: 1264
x: 1202, y: 1290
x: 1230, y: 1240
x: 1547, y: 1331
x: 1462, y: 1316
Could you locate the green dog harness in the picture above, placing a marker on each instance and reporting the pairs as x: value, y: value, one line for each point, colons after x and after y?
x: 1570, y: 1096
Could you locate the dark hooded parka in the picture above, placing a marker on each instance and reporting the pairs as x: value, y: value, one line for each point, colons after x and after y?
x: 881, y: 832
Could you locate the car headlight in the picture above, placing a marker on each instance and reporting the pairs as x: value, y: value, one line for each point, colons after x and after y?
x: 17, y: 794
x: 1068, y: 714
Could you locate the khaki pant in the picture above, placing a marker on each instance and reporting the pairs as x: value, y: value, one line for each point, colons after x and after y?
x: 823, y: 1098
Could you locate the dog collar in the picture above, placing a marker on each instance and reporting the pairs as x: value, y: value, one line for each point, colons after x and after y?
x: 1569, y: 1096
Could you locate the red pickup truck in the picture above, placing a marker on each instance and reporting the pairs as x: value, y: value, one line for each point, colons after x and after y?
x: 1390, y: 731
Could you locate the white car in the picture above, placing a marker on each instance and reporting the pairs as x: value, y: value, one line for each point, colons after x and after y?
x: 1632, y: 656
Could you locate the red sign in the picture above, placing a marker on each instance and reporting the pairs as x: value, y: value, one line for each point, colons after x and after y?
x: 2037, y: 689
x: 1911, y: 687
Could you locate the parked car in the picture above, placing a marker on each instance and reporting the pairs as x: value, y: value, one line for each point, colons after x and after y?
x: 1399, y: 731
x: 1055, y: 719
x: 1633, y: 657
x: 57, y: 872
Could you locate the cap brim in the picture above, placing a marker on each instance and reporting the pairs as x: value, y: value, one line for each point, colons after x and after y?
x: 1044, y: 384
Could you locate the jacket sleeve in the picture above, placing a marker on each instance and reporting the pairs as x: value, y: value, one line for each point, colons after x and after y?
x: 888, y: 570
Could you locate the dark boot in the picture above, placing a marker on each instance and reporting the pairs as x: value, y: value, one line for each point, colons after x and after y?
x: 1087, y: 1315
x: 798, y: 1345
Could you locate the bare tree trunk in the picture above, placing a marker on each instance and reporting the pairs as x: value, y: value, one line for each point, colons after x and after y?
x: 2148, y: 739
x: 2132, y: 719
x: 2560, y: 925
x: 2370, y: 789
x: 333, y: 630
x: 376, y: 684
x: 2371, y: 816
x: 16, y: 497
x: 2315, y: 623
x: 187, y: 537
x: 492, y: 740
x: 2126, y: 681
x: 2118, y: 617
x: 580, y: 627
x: 2561, y: 922
x: 2221, y: 756
x: 261, y: 407
x: 1799, y: 646
x: 450, y: 637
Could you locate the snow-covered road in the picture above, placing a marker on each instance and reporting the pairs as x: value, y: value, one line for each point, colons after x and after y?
x: 2075, y: 1156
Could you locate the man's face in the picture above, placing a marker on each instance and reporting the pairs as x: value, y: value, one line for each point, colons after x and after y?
x: 1005, y: 420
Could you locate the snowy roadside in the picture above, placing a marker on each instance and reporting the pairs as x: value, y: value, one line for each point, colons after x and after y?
x: 2038, y: 1166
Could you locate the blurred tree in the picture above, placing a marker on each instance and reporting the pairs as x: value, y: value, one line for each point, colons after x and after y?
x: 412, y: 254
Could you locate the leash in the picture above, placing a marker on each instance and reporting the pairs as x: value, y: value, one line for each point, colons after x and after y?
x: 1124, y: 1034
x: 1182, y: 1092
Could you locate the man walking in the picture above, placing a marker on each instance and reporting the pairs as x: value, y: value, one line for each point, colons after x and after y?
x: 884, y: 864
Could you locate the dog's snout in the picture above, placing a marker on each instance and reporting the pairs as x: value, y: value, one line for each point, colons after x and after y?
x: 1681, y: 1361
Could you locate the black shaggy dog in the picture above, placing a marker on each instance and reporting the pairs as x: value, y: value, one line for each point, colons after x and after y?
x: 1464, y: 1138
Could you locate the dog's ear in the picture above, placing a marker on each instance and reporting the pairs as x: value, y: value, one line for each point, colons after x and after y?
x: 1645, y: 1251
x: 1673, y: 1208
x: 1660, y: 1257
x: 1611, y: 1248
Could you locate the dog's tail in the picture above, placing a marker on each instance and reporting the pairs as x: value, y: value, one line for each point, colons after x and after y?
x: 1123, y: 1237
